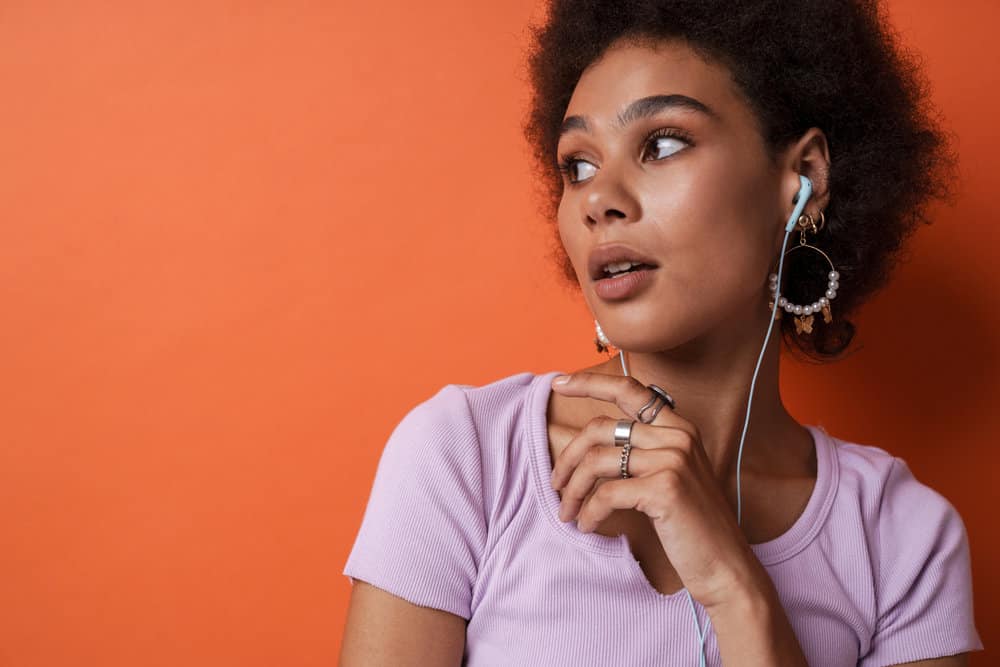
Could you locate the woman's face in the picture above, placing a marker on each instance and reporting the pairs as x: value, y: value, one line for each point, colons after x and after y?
x: 705, y: 205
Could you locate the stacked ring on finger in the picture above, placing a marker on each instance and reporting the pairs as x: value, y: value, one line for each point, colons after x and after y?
x: 659, y: 396
x: 623, y: 464
x: 623, y: 435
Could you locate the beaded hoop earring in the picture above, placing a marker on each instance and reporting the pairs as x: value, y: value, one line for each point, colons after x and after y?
x: 804, y: 314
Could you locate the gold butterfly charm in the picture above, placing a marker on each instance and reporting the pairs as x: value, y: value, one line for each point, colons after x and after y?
x: 804, y: 324
x: 827, y: 315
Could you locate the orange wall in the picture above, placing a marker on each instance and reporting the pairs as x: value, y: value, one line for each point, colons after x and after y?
x: 241, y: 240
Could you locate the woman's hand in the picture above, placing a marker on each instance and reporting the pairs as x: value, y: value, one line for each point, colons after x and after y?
x: 671, y: 482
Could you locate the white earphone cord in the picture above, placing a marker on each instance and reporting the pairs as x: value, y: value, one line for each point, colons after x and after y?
x: 746, y: 422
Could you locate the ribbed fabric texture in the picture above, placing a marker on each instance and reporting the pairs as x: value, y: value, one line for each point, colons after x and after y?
x: 461, y: 517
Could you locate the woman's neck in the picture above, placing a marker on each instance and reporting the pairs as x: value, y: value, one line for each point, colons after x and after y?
x: 711, y: 388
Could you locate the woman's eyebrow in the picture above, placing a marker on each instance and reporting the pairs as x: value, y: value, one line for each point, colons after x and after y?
x: 642, y: 108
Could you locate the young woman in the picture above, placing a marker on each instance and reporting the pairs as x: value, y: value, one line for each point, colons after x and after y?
x: 717, y: 170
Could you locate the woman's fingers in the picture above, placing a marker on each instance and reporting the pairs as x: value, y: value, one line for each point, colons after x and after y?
x: 600, y: 432
x: 604, y: 464
x: 624, y: 391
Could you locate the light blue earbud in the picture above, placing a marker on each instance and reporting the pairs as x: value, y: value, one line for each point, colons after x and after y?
x: 800, y: 199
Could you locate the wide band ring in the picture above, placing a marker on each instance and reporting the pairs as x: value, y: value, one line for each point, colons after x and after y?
x: 623, y: 431
x: 660, y: 398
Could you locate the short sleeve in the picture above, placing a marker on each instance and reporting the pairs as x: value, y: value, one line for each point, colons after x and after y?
x: 424, y: 527
x: 924, y: 580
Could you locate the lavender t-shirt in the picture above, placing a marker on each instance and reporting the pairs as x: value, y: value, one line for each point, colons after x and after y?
x: 462, y: 518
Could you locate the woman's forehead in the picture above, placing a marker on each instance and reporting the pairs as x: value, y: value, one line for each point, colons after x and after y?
x: 629, y: 72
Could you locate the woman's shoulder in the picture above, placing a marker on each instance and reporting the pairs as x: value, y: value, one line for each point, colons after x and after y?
x: 481, y: 403
x: 437, y: 485
x: 473, y: 422
x: 879, y: 476
x: 906, y: 519
x: 502, y: 407
x: 861, y: 459
x: 918, y: 549
x: 504, y: 393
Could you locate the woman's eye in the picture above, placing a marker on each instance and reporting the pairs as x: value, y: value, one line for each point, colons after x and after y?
x: 663, y: 143
x: 572, y: 165
x: 659, y: 146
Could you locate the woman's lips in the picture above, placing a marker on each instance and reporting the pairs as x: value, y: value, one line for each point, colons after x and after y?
x: 609, y: 253
x: 624, y: 286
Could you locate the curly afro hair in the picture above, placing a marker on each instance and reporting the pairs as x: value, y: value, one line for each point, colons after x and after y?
x: 831, y: 64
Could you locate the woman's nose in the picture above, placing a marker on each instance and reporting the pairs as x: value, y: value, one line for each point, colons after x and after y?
x: 609, y: 198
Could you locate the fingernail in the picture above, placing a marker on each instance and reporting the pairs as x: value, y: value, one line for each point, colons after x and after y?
x: 561, y: 379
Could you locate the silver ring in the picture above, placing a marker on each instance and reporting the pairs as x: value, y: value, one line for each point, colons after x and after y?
x: 623, y: 464
x: 623, y: 431
x: 658, y: 396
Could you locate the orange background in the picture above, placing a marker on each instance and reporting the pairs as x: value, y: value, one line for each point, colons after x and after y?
x: 241, y: 240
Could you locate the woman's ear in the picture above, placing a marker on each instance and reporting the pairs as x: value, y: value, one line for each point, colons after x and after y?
x: 810, y: 157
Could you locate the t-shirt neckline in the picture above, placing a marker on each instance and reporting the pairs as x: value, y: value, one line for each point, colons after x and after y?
x: 786, y: 545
